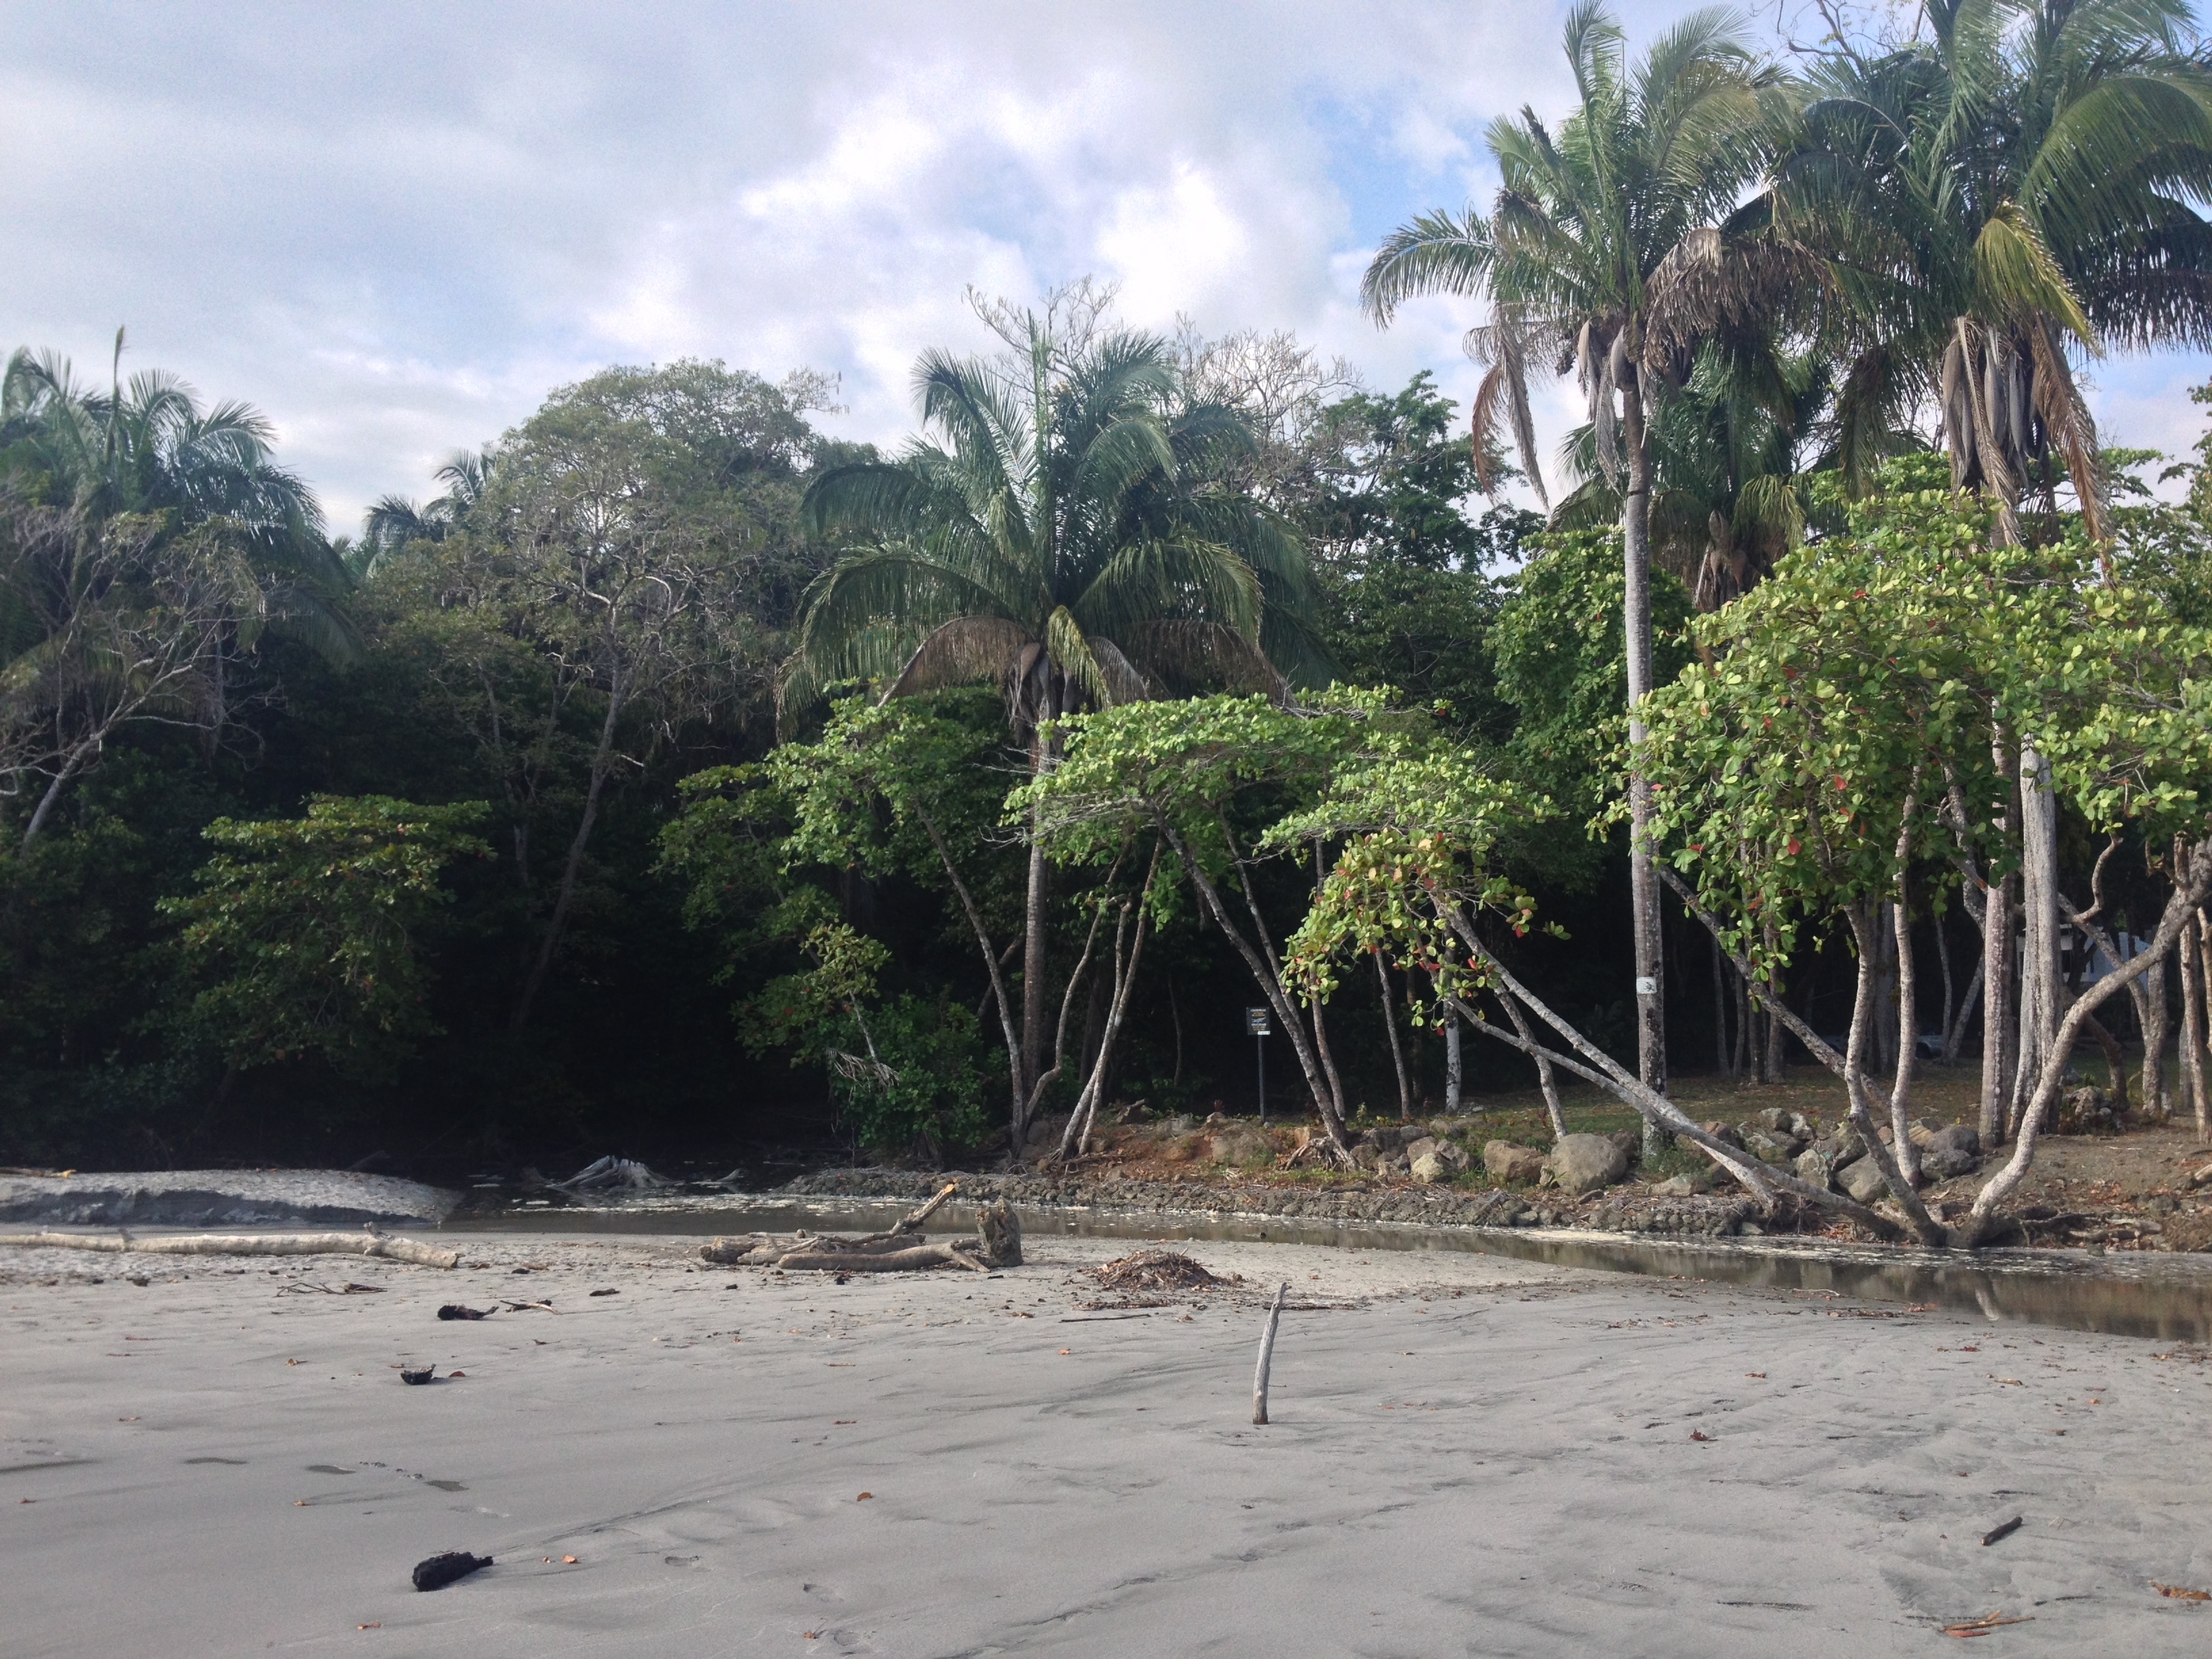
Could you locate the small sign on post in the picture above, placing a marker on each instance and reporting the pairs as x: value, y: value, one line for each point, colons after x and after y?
x: 1258, y: 1023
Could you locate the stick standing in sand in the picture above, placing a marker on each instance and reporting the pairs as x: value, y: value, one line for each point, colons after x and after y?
x: 1267, y: 1355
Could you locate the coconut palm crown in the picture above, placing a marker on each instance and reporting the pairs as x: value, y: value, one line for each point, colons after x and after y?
x: 1058, y: 532
x: 2007, y: 190
x: 1598, y: 232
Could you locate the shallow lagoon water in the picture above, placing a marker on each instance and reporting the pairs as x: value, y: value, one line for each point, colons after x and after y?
x: 2167, y: 1297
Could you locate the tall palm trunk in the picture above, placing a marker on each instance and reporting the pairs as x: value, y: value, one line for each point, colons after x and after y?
x: 1643, y: 883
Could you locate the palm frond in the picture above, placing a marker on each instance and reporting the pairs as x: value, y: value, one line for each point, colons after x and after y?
x: 1435, y: 253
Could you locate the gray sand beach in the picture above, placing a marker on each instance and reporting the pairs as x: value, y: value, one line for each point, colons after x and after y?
x: 1468, y: 1455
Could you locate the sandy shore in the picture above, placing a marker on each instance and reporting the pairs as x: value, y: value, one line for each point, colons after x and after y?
x: 1469, y: 1456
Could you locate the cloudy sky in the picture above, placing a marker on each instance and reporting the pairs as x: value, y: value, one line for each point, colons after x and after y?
x: 394, y: 227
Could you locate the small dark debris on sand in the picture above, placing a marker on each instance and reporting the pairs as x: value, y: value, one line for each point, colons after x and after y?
x: 1158, y: 1270
x: 428, y: 1374
x: 455, y: 1310
x: 440, y: 1570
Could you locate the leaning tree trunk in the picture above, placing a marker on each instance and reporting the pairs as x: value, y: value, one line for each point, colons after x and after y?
x: 1636, y: 635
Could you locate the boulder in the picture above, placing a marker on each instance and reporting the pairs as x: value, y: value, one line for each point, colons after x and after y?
x: 1239, y: 1144
x: 1767, y: 1147
x: 1961, y: 1137
x: 1507, y: 1162
x: 1944, y: 1162
x: 1814, y: 1166
x: 1862, y: 1180
x: 1725, y: 1132
x: 1585, y: 1164
x: 1418, y: 1150
x: 1774, y: 1120
x: 1431, y: 1169
x: 1365, y: 1155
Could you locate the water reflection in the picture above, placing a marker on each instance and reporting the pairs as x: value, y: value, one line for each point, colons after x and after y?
x: 2167, y: 1297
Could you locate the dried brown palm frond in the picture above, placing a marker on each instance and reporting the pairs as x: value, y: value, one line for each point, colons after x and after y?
x: 1711, y: 285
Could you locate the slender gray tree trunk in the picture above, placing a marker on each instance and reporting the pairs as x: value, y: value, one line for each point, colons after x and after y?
x: 2193, y: 1079
x: 1397, y: 1044
x: 1774, y: 1030
x: 602, y: 764
x: 2039, y: 996
x: 1999, y: 1008
x: 1723, y: 1061
x: 1033, y: 944
x: 1908, y: 1042
x: 2157, y: 1097
x: 1455, y: 1064
x: 1643, y: 885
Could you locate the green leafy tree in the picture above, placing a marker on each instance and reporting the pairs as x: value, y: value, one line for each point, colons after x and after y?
x: 1847, y: 719
x: 1185, y: 772
x: 903, y: 1072
x: 1060, y: 533
x: 1577, y: 253
x: 305, y: 934
x: 624, y: 573
x: 1558, y: 646
x: 146, y: 545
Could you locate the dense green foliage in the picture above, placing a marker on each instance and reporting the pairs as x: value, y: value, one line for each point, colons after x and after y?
x: 679, y: 779
x: 306, y: 932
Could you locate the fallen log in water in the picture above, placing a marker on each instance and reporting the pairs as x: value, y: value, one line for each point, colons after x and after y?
x: 377, y: 1244
x: 997, y: 1243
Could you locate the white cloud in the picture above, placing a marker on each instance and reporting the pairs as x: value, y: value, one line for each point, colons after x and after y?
x: 397, y: 226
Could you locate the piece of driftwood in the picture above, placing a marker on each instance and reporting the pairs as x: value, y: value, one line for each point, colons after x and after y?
x: 997, y: 1243
x: 1267, y: 1357
x: 364, y: 1244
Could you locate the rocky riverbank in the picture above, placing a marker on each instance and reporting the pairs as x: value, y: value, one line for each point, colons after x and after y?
x: 1450, y: 1172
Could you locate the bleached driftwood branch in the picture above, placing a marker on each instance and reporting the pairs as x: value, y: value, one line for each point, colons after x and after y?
x: 377, y: 1244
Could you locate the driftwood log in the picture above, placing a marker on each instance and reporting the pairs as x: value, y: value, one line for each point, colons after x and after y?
x: 378, y: 1244
x: 997, y: 1243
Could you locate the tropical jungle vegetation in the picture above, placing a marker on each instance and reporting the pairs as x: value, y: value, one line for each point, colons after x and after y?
x: 682, y: 776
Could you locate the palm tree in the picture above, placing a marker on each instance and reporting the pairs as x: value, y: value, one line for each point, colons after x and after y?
x: 1729, y: 456
x: 133, y: 504
x: 1571, y: 255
x: 2013, y: 187
x: 1059, y: 531
x: 393, y: 523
